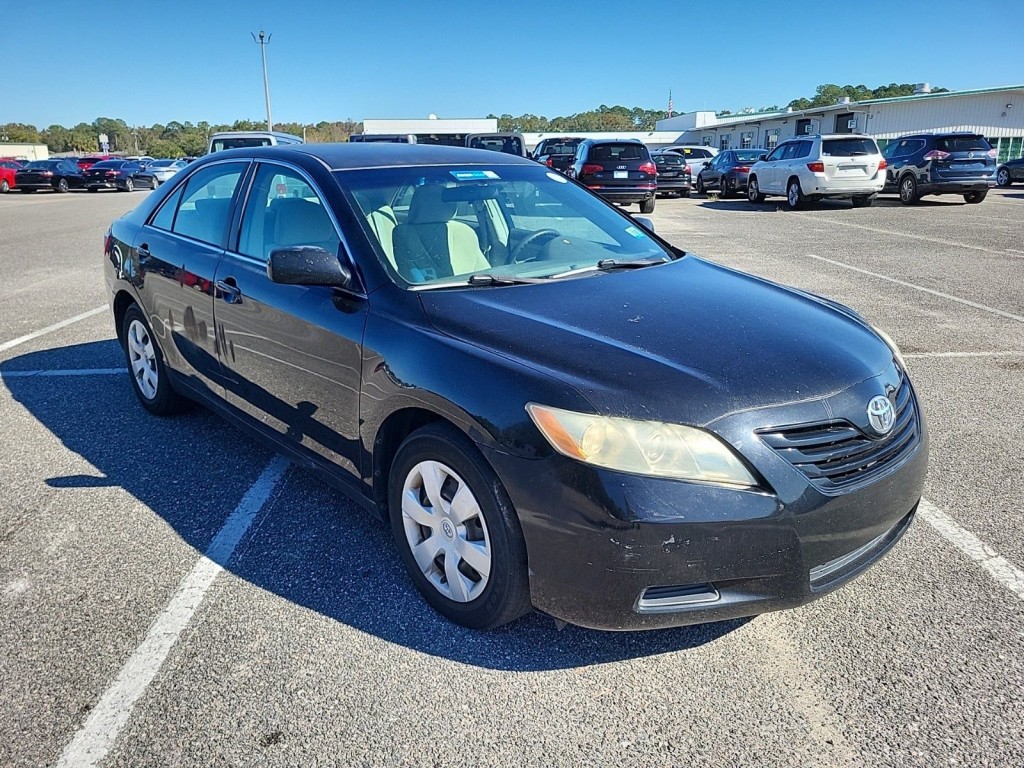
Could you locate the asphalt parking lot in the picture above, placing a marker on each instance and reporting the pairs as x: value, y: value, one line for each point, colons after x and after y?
x: 303, y: 643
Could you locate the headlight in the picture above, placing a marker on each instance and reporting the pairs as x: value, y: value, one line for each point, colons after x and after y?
x: 892, y: 346
x: 642, y: 447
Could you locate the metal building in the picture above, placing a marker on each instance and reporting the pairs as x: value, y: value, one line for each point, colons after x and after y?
x: 996, y: 113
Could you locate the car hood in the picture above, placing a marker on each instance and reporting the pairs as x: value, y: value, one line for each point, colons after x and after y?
x: 686, y: 342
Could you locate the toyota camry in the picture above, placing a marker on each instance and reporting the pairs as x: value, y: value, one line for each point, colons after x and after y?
x: 553, y: 408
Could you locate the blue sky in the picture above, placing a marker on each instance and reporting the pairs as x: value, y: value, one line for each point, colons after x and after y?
x: 156, y: 61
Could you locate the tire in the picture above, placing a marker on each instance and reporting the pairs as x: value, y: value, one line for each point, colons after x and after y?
x: 863, y: 201
x: 976, y: 197
x: 908, y: 190
x: 1003, y: 178
x: 700, y: 184
x: 62, y: 185
x: 647, y: 206
x: 754, y: 191
x: 723, y: 188
x: 489, y: 534
x: 27, y: 191
x: 4, y: 186
x: 146, y: 366
x: 156, y: 182
x: 129, y: 185
x: 92, y: 189
x: 794, y: 195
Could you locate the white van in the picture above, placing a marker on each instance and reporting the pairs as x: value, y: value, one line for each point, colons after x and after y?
x: 236, y: 139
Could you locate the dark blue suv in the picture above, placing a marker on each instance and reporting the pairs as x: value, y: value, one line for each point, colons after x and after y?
x: 940, y: 164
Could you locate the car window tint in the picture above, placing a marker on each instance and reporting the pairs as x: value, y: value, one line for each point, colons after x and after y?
x: 777, y: 152
x: 206, y: 202
x: 848, y: 147
x: 164, y: 218
x: 962, y: 144
x: 284, y: 211
x: 790, y: 150
x: 616, y: 152
x: 803, y: 149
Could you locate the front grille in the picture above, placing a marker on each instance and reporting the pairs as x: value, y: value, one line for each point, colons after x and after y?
x: 836, y: 454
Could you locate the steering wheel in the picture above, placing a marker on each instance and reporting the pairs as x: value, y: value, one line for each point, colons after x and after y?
x: 528, y: 240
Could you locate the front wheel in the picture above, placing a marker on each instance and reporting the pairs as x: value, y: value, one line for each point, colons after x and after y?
x: 976, y: 197
x: 456, y: 530
x: 146, y: 366
x: 753, y: 191
x: 794, y: 195
x: 863, y: 201
x: 1003, y: 177
x: 4, y: 186
x: 27, y: 191
x: 700, y: 184
x: 129, y: 185
x: 647, y: 206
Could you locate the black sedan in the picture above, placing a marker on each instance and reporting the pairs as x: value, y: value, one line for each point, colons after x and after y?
x: 1010, y: 172
x: 113, y: 174
x: 58, y: 175
x: 727, y: 171
x: 553, y: 407
x: 673, y: 174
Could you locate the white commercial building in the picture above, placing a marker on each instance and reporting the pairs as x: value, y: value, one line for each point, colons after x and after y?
x: 996, y: 113
x: 25, y: 151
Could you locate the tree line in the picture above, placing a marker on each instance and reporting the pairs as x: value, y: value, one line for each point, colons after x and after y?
x: 189, y: 140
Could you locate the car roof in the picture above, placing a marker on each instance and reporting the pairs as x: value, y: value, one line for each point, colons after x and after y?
x: 379, y: 155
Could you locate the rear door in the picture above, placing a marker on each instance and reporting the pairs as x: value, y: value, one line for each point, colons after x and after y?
x: 962, y: 158
x: 291, y: 353
x: 178, y: 251
x: 850, y: 162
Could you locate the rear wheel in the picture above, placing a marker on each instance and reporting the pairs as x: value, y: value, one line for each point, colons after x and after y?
x: 753, y: 191
x: 908, y: 190
x: 1003, y: 177
x: 863, y: 201
x: 794, y: 195
x: 456, y: 530
x: 92, y: 189
x: 4, y: 186
x: 723, y: 187
x: 976, y: 197
x: 62, y: 185
x: 647, y: 206
x: 156, y: 182
x: 146, y: 366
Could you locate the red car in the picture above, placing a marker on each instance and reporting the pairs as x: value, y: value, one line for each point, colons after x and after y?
x: 86, y: 163
x: 7, y: 169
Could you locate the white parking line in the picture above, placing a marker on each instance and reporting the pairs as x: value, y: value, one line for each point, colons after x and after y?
x: 1014, y: 250
x: 998, y: 567
x: 50, y: 328
x: 108, y: 718
x: 921, y: 288
x: 891, y: 232
x: 64, y: 372
x: 962, y: 354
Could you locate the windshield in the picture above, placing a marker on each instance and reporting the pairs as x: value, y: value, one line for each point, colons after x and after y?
x: 436, y: 226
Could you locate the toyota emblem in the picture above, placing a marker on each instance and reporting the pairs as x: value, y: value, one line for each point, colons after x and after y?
x: 881, y: 415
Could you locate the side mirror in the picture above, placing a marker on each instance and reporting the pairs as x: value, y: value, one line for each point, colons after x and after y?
x: 762, y: 157
x: 644, y: 222
x: 307, y: 265
x: 706, y: 164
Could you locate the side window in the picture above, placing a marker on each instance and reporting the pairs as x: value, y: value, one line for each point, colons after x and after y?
x: 803, y: 149
x: 777, y: 152
x: 893, y: 149
x: 206, y: 203
x: 284, y: 210
x: 164, y: 218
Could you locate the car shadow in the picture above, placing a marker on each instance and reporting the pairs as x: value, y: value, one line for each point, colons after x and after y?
x: 312, y: 546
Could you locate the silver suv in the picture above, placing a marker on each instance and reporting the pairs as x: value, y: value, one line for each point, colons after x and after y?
x: 847, y: 166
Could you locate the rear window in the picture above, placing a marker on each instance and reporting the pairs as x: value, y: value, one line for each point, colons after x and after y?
x: 109, y: 164
x: 847, y: 147
x: 510, y: 145
x: 963, y: 144
x: 601, y: 152
x: 669, y: 159
x: 561, y: 148
x: 42, y: 164
x: 239, y: 143
x: 748, y: 156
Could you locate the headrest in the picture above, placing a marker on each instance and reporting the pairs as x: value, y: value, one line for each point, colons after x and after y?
x: 301, y: 222
x: 428, y: 207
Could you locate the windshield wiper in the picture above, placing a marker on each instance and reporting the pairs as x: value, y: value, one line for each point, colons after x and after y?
x: 486, y: 278
x: 608, y: 265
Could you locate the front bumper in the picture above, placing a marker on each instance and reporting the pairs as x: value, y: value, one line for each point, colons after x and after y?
x: 614, y: 551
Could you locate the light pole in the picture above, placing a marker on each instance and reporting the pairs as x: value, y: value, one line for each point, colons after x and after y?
x: 263, y: 41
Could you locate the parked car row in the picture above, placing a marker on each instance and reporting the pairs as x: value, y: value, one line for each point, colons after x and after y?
x: 89, y: 173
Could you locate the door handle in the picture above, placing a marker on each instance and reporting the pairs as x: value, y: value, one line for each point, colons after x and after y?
x: 228, y: 290
x: 143, y: 251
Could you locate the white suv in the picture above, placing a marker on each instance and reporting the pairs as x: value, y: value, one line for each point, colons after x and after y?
x: 815, y: 167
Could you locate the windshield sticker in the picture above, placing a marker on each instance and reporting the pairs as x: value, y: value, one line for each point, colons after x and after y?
x: 557, y: 177
x: 474, y: 175
x: 635, y: 232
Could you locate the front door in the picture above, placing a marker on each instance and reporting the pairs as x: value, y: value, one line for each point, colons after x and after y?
x: 291, y: 353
